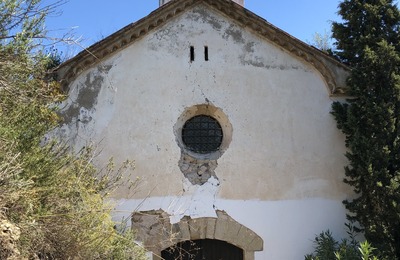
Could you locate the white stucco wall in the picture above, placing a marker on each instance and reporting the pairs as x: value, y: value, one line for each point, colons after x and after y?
x: 282, y: 173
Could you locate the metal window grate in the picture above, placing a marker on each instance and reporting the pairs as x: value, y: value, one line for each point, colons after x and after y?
x: 202, y: 134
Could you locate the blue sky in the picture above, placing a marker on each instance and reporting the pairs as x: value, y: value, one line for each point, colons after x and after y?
x: 92, y: 20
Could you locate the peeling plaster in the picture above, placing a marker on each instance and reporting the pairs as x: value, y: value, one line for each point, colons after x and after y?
x: 87, y: 96
x: 260, y: 63
x: 205, y: 16
x: 167, y: 37
x: 249, y: 47
x: 196, y: 201
x: 91, y: 94
x: 234, y: 33
x: 253, y: 61
x: 199, y: 168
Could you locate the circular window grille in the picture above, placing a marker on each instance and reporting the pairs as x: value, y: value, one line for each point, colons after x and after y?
x: 202, y: 134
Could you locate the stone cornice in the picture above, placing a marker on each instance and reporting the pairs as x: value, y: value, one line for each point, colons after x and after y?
x: 333, y: 72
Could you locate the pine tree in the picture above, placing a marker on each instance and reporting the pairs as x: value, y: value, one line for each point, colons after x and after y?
x: 368, y: 41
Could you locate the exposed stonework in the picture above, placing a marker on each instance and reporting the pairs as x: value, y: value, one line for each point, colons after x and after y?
x: 151, y: 228
x: 198, y: 168
x: 155, y: 231
x: 197, y: 171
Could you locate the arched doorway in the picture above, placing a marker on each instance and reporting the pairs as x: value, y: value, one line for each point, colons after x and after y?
x: 203, y: 249
x: 155, y: 231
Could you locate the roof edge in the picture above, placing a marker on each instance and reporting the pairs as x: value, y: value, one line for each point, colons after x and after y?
x: 333, y: 72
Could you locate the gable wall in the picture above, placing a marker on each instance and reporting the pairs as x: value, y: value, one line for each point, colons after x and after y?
x: 285, y: 145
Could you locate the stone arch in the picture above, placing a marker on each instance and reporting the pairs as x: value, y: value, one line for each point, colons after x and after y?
x: 154, y: 230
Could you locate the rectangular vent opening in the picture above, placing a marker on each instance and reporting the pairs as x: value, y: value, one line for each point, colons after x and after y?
x: 206, y: 53
x: 191, y: 53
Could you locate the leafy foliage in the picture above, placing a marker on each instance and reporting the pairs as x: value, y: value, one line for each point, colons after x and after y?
x: 368, y: 40
x: 322, y: 42
x: 52, y: 202
x: 327, y: 248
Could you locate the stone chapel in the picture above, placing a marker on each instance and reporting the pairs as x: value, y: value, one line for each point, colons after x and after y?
x: 227, y: 118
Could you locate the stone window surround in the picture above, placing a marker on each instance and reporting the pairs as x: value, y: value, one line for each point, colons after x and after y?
x: 196, y: 167
x: 208, y: 110
x: 154, y: 230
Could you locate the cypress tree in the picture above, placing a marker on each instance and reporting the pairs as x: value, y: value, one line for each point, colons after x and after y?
x: 368, y: 41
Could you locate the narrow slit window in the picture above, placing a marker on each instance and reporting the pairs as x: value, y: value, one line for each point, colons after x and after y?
x: 206, y: 53
x: 191, y: 53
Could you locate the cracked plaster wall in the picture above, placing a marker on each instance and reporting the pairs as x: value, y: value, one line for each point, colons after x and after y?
x: 285, y: 145
x: 91, y: 95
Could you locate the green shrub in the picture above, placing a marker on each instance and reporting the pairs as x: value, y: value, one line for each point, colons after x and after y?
x: 52, y: 202
x: 327, y: 248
